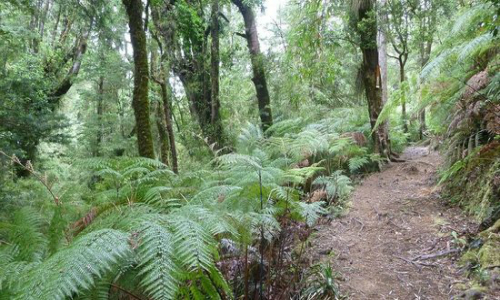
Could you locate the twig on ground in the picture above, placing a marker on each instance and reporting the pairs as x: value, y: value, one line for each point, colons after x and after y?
x: 361, y: 223
x: 409, y: 261
x: 416, y: 263
x: 436, y: 255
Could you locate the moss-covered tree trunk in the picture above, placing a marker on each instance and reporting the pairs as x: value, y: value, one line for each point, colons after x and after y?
x: 140, y: 101
x: 259, y: 74
x: 167, y: 109
x: 215, y: 119
x: 99, y: 112
x: 366, y: 26
x: 164, y: 143
x: 164, y: 113
x: 188, y: 56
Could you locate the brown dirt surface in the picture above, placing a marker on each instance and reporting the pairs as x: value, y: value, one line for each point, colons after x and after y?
x: 381, y: 247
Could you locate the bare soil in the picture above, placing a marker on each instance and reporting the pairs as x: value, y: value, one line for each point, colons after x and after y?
x: 396, y: 240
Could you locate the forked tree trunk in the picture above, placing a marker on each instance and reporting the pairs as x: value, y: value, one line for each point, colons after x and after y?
x: 257, y: 58
x: 140, y: 101
x: 193, y: 69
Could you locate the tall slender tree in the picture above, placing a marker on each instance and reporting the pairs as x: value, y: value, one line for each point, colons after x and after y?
x: 397, y: 29
x: 382, y: 56
x: 257, y: 58
x: 214, y: 71
x: 140, y: 101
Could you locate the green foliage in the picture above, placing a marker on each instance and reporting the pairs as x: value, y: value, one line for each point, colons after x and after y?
x: 157, y: 262
x: 337, y: 185
x: 323, y: 285
x: 76, y: 268
x: 126, y: 225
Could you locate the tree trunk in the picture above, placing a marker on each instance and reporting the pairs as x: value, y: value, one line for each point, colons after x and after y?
x: 257, y: 58
x: 425, y: 55
x: 160, y: 124
x: 35, y: 17
x: 170, y: 129
x: 193, y: 69
x: 100, y: 104
x: 56, y: 25
x: 43, y: 18
x: 215, y: 119
x: 140, y: 102
x: 77, y: 56
x: 371, y: 73
x: 382, y: 56
x: 166, y: 131
x: 402, y: 78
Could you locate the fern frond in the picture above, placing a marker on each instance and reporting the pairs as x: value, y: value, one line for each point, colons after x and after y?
x: 25, y: 231
x: 243, y: 160
x: 159, y: 270
x: 195, y: 247
x: 311, y: 212
x: 467, y: 18
x: 470, y: 47
x: 357, y: 163
x: 436, y: 64
x: 299, y: 176
x: 74, y: 269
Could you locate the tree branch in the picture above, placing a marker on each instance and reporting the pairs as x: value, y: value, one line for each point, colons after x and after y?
x: 241, y: 34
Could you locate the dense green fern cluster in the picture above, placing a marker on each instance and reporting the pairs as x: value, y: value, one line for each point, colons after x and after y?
x: 136, y: 227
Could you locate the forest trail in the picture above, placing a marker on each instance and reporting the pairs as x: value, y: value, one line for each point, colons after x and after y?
x: 396, y: 219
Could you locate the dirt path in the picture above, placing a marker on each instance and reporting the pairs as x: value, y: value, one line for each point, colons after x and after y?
x: 396, y: 217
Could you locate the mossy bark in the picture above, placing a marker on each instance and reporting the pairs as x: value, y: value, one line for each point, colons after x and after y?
x: 366, y: 26
x: 188, y: 57
x: 164, y: 143
x: 140, y: 101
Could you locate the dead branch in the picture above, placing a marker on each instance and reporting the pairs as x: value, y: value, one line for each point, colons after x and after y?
x: 436, y: 255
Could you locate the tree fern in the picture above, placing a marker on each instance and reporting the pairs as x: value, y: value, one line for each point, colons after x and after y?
x: 474, y: 45
x: 75, y: 269
x: 436, y: 64
x: 195, y: 246
x: 25, y: 232
x: 466, y: 19
x: 159, y: 269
